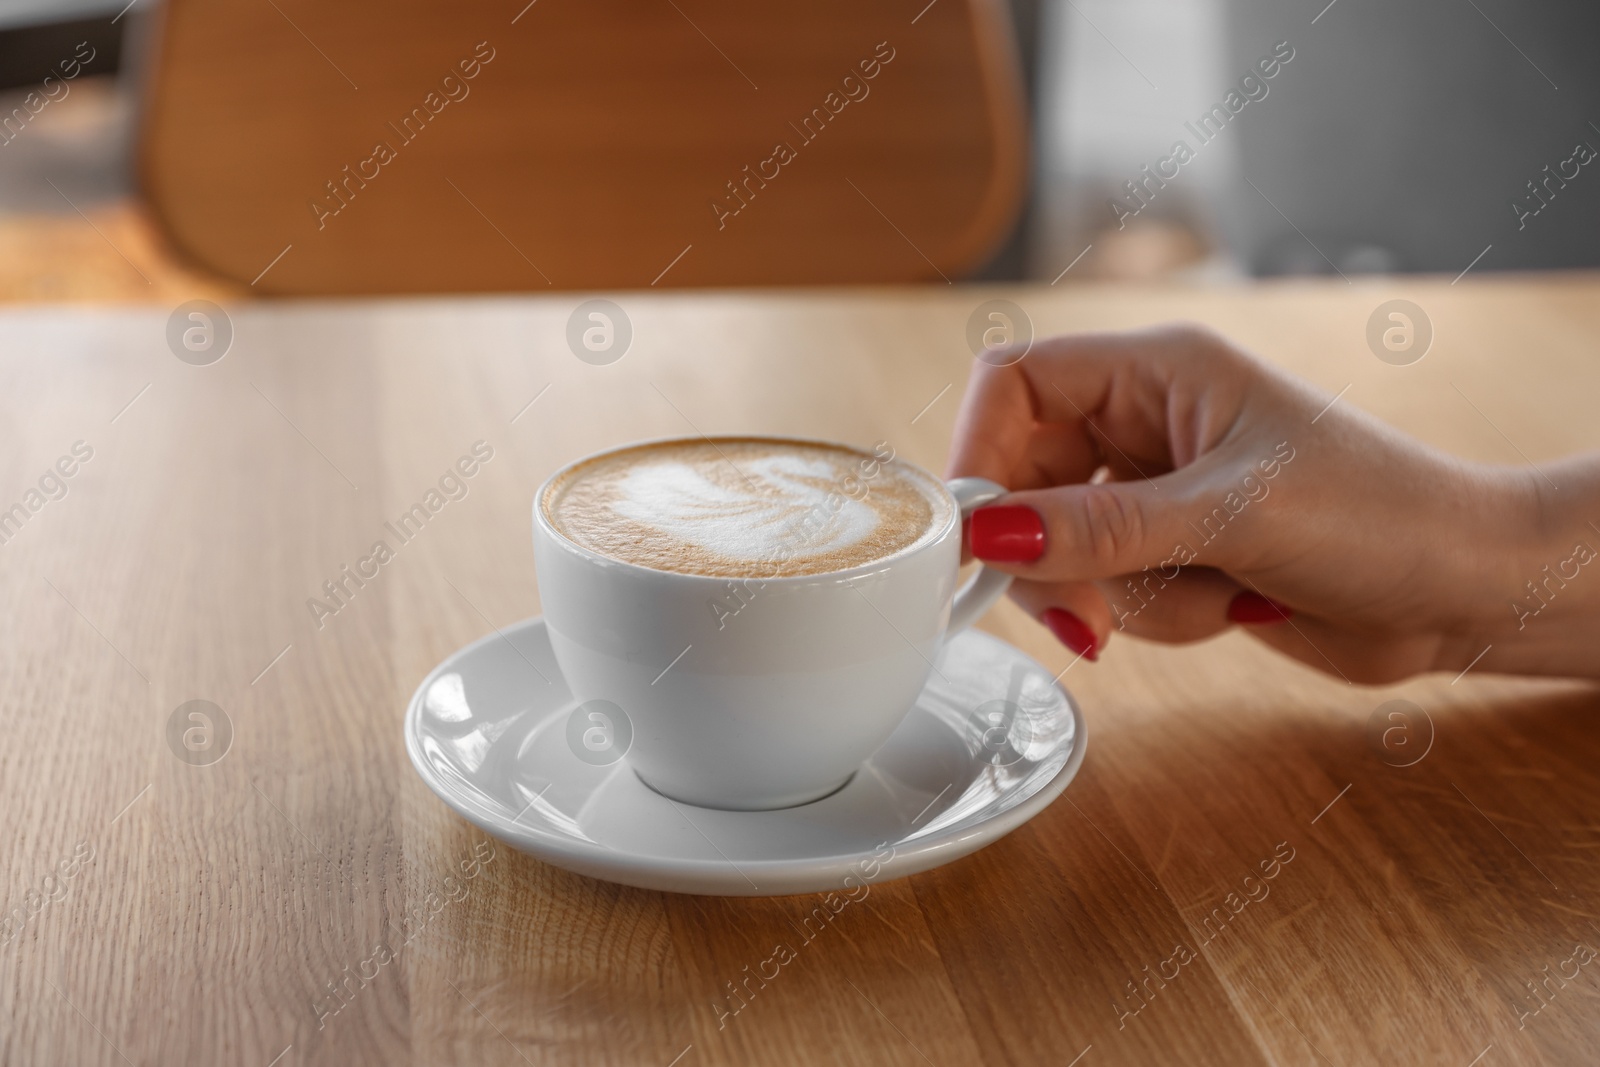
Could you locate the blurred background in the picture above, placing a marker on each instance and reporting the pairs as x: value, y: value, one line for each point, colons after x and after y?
x: 1394, y: 138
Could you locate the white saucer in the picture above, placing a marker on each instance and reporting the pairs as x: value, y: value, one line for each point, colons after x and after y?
x: 991, y: 741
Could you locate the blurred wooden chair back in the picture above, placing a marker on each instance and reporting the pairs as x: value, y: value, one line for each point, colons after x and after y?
x: 362, y: 147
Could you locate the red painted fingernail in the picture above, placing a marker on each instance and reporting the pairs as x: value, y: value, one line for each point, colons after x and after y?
x: 1007, y: 534
x: 1072, y: 632
x: 1250, y: 607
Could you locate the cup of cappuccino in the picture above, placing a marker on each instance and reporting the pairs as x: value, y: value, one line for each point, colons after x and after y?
x: 764, y: 610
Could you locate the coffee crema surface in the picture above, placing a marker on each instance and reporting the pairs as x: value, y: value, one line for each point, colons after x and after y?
x: 745, y: 507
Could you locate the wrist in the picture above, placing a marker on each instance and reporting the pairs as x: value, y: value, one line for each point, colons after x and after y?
x: 1538, y: 577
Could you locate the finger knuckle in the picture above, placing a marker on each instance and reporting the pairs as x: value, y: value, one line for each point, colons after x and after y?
x: 1112, y: 525
x: 1193, y: 336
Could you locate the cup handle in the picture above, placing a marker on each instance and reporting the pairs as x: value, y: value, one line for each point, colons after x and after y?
x: 987, y: 586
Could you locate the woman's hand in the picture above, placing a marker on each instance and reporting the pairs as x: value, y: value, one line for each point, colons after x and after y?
x: 1228, y: 492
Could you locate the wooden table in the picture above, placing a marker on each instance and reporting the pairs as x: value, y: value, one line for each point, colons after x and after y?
x: 187, y: 914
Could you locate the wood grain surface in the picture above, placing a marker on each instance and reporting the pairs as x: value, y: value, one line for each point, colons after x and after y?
x: 157, y: 911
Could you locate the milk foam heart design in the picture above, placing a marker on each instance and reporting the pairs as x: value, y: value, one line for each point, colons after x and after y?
x: 745, y: 520
x: 747, y: 507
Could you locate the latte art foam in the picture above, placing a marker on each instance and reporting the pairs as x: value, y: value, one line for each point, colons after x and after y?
x: 745, y: 507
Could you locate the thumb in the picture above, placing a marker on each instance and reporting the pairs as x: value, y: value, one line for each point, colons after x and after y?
x: 1075, y: 533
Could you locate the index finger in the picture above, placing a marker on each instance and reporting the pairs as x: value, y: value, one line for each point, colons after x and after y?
x: 1110, y: 387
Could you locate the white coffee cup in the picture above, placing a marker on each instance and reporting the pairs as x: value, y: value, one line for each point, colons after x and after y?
x: 777, y: 704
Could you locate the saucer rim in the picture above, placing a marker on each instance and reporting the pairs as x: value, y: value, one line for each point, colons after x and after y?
x: 786, y: 876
